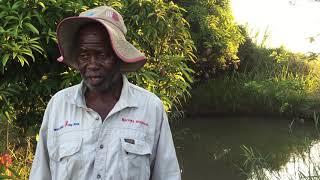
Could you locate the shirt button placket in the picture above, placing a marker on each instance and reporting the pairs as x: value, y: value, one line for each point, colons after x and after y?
x: 100, y: 157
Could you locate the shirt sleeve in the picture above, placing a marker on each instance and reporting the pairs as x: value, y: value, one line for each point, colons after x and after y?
x: 40, y: 167
x: 165, y: 164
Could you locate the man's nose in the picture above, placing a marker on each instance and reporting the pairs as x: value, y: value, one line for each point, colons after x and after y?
x: 92, y: 61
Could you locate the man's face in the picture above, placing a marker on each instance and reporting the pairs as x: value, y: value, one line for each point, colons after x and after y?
x: 97, y: 62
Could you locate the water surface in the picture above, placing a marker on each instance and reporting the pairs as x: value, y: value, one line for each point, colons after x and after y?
x: 210, y: 148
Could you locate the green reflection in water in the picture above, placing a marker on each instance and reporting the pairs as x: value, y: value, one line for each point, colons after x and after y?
x: 301, y: 166
x: 210, y: 148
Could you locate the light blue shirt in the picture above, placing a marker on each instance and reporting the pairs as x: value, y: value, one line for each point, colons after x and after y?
x: 133, y: 142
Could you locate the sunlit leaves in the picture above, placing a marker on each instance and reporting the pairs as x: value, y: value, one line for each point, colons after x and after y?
x: 5, y: 59
x: 215, y: 34
x: 159, y: 29
x: 17, y: 43
x: 31, y: 28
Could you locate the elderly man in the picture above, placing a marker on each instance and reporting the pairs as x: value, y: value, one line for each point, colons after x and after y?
x: 104, y: 127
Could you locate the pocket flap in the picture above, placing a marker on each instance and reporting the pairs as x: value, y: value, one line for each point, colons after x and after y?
x: 135, y: 146
x: 64, y: 150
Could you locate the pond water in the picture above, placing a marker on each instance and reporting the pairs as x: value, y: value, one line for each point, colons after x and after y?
x: 232, y: 148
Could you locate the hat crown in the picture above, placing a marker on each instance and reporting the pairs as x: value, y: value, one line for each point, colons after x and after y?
x: 107, y: 14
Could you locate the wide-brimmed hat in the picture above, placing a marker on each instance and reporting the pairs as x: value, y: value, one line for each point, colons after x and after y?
x: 132, y: 58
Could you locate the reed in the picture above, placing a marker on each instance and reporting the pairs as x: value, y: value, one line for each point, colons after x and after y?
x: 303, y: 163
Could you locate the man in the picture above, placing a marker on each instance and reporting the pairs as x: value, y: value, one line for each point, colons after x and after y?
x: 104, y: 127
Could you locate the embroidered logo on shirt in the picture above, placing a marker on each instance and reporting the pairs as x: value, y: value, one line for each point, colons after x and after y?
x: 65, y: 124
x: 135, y: 121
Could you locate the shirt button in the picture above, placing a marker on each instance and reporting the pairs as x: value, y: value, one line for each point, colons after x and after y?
x: 101, y: 146
x: 97, y: 118
x: 98, y: 176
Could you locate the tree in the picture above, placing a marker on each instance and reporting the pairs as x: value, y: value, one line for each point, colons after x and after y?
x: 216, y: 36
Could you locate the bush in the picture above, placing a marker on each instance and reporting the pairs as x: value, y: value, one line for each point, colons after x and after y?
x: 269, y: 81
x: 215, y: 34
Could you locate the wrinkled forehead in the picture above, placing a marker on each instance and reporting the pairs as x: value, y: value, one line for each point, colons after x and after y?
x: 92, y: 33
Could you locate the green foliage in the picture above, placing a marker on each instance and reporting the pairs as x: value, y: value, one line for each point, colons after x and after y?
x: 254, y: 163
x: 215, y: 34
x: 160, y: 30
x: 288, y: 94
x: 28, y: 37
x: 30, y: 74
x: 272, y: 81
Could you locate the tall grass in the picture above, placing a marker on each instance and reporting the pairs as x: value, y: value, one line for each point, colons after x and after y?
x: 303, y: 164
x: 270, y: 81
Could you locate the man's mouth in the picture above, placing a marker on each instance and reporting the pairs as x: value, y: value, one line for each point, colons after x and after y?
x: 94, y: 78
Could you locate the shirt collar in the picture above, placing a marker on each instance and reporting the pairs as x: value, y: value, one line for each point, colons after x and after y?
x: 126, y: 97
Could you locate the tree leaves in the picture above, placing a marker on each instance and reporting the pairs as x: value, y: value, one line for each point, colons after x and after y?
x: 215, y: 34
x: 157, y: 28
x: 160, y: 30
x: 31, y: 28
x: 5, y: 59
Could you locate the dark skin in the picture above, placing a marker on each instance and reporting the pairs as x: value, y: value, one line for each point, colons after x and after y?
x: 100, y: 69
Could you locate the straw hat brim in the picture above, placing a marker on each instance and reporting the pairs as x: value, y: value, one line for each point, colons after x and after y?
x: 132, y: 58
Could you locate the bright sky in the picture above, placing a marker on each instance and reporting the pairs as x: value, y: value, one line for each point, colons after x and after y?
x: 290, y: 22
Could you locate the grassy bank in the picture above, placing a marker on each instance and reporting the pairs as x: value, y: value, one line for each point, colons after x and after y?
x: 269, y: 81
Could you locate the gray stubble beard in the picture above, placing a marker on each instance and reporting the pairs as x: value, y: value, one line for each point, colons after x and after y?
x: 108, y: 83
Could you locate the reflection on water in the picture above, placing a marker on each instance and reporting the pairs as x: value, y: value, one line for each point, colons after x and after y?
x: 210, y: 148
x: 299, y: 166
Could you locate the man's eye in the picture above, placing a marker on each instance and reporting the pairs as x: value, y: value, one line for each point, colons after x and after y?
x: 83, y: 55
x: 101, y: 55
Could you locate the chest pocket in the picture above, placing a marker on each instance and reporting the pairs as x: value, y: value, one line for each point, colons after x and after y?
x: 134, y: 160
x: 65, y: 160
